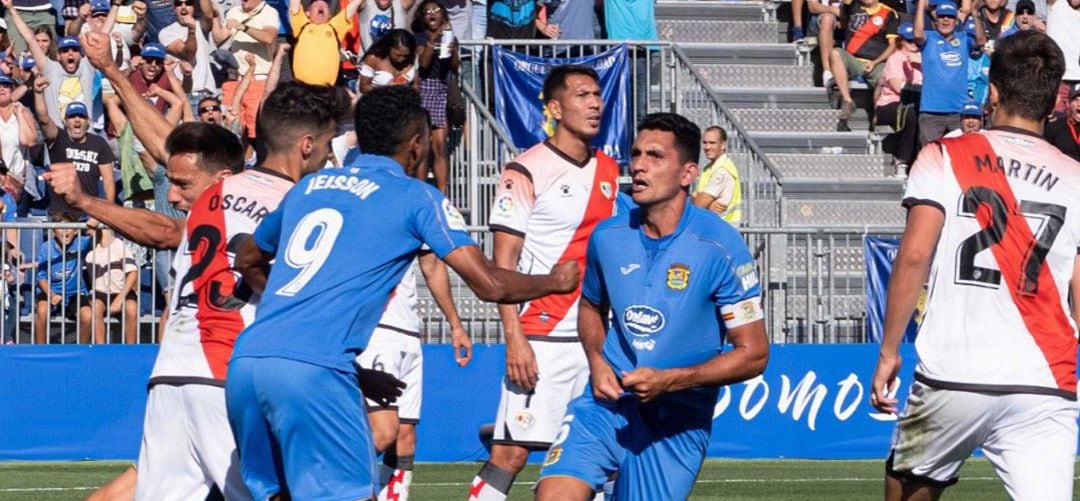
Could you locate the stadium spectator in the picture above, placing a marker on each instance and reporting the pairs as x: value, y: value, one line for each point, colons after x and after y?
x: 250, y: 28
x: 971, y: 120
x: 566, y: 20
x: 903, y: 70
x: 436, y: 62
x: 1040, y: 10
x: 633, y: 20
x: 151, y: 73
x: 391, y: 61
x: 978, y: 79
x: 113, y: 274
x: 824, y: 19
x: 871, y: 28
x: 61, y: 289
x: 718, y: 188
x: 35, y: 14
x: 91, y: 155
x: 998, y: 21
x: 1064, y: 133
x: 373, y: 20
x: 318, y: 40
x: 513, y: 19
x: 1061, y: 25
x: 946, y: 52
x: 1026, y: 18
x: 188, y: 40
x: 17, y: 133
x: 72, y: 77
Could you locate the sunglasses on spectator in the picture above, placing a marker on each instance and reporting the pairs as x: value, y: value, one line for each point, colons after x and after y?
x: 1025, y: 11
x: 433, y: 10
x: 68, y: 49
x: 183, y: 3
x: 153, y: 60
x: 208, y: 109
x: 100, y: 14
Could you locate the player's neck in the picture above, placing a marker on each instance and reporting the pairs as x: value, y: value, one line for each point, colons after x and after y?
x: 284, y: 164
x: 662, y: 218
x: 1001, y: 119
x: 571, y: 145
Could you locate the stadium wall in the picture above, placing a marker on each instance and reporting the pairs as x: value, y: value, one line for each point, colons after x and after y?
x: 86, y: 402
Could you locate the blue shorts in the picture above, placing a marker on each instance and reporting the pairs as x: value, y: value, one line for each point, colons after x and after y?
x: 655, y: 449
x: 300, y: 427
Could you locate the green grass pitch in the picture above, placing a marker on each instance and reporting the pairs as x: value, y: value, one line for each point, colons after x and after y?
x: 719, y: 479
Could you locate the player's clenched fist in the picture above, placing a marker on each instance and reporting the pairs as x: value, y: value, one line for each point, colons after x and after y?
x: 96, y: 47
x: 65, y: 182
x: 567, y: 276
x: 646, y: 383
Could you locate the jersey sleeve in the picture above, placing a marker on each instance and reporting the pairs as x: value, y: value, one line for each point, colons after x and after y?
x: 439, y: 224
x: 592, y: 287
x: 738, y: 289
x: 268, y: 233
x: 927, y: 179
x: 515, y: 201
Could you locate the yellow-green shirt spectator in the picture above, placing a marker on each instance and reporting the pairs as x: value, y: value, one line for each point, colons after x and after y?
x: 718, y: 189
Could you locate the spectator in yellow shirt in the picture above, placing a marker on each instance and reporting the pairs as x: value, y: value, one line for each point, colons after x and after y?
x: 316, y: 56
x: 718, y: 187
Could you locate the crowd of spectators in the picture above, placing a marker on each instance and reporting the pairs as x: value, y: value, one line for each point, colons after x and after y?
x: 893, y: 46
x: 171, y: 61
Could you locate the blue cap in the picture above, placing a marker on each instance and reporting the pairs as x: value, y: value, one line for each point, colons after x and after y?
x: 971, y: 109
x: 946, y: 9
x: 28, y: 63
x: 153, y: 50
x: 6, y: 80
x: 69, y: 42
x: 76, y: 109
x: 99, y: 6
x: 906, y: 31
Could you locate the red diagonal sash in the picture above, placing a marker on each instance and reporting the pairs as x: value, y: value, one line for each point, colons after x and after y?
x: 1041, y: 309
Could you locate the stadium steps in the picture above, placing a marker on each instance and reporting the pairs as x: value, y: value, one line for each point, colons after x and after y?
x: 737, y: 10
x: 741, y: 53
x: 743, y: 76
x: 718, y: 30
x: 830, y: 166
x: 846, y: 213
x: 801, y: 121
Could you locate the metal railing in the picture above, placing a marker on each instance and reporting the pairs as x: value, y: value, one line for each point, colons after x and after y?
x: 813, y: 281
x: 762, y: 184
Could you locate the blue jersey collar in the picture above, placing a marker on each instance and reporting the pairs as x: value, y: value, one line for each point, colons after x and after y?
x: 664, y: 241
x: 377, y: 162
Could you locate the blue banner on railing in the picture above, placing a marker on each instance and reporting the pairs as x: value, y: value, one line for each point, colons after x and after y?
x: 519, y: 105
x: 879, y: 255
x: 79, y: 402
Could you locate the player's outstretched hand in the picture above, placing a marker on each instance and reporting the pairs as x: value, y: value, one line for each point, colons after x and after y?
x: 882, y: 396
x: 605, y: 386
x: 65, y: 182
x: 96, y: 46
x: 379, y: 386
x: 462, y: 345
x: 567, y: 276
x: 646, y: 383
x: 521, y: 363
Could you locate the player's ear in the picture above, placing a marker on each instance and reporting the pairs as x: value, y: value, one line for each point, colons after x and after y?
x: 690, y: 173
x: 995, y: 100
x: 554, y: 109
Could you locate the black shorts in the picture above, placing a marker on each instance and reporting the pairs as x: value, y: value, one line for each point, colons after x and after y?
x: 68, y: 308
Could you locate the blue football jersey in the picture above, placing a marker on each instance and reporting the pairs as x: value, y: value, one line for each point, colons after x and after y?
x: 672, y: 299
x: 342, y: 240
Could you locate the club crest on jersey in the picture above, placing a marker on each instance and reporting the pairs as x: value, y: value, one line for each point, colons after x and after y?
x: 678, y: 276
x: 605, y: 188
x: 454, y: 219
x: 642, y: 320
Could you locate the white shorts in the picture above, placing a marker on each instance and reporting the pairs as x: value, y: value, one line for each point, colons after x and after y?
x: 400, y: 355
x: 1029, y: 439
x: 187, y: 446
x: 532, y: 419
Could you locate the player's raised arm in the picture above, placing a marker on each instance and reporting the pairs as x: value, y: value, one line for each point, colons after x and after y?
x: 496, y: 285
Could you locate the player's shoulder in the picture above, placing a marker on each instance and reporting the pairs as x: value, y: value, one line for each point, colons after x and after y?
x: 712, y: 230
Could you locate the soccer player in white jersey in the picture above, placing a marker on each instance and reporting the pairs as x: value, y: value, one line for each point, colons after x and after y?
x: 550, y: 199
x: 994, y: 221
x: 395, y: 349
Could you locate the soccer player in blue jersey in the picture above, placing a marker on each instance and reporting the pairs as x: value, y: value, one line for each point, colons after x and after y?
x: 678, y: 282
x: 341, y: 240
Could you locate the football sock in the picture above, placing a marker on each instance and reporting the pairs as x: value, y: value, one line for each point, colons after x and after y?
x: 491, y: 484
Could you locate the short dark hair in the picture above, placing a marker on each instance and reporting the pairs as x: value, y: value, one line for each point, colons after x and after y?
x: 687, y: 134
x: 218, y: 149
x: 557, y: 77
x: 717, y: 128
x: 63, y: 216
x: 387, y: 117
x: 208, y: 98
x: 1026, y: 69
x: 393, y: 38
x: 296, y: 108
